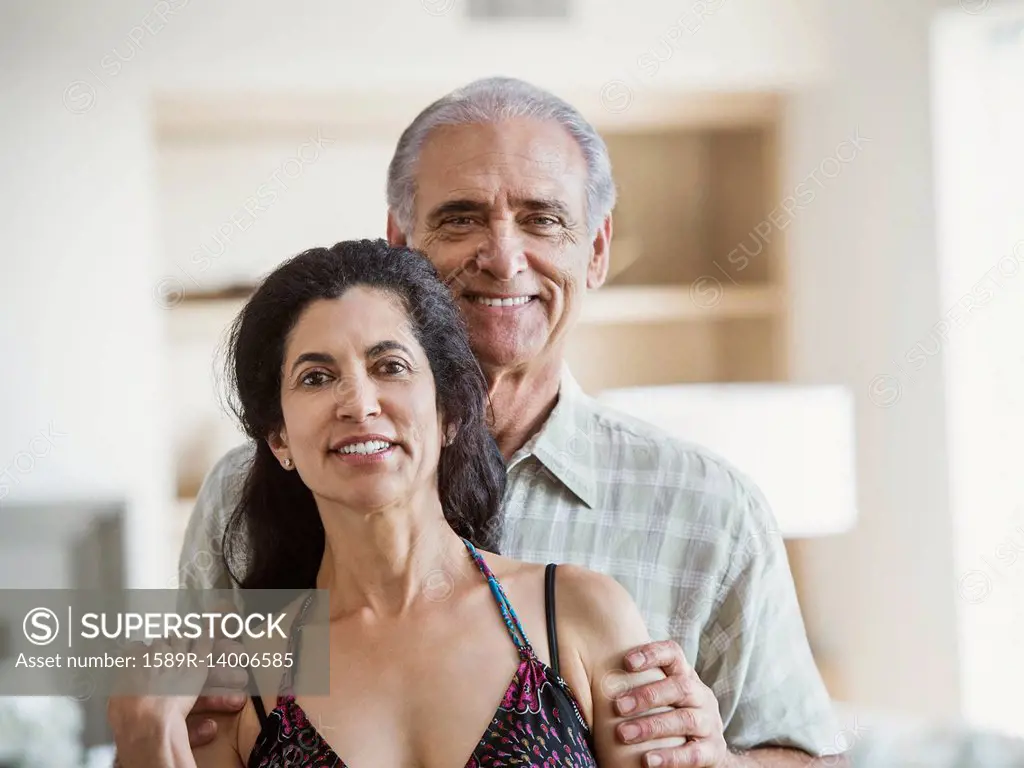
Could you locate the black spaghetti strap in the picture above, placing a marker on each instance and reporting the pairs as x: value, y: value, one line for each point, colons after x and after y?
x: 257, y: 700
x: 287, y: 677
x: 261, y: 711
x: 549, y: 609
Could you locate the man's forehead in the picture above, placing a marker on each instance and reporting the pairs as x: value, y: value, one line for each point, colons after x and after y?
x: 540, y: 164
x: 520, y: 150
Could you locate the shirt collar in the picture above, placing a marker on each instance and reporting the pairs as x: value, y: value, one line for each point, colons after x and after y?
x: 565, y: 444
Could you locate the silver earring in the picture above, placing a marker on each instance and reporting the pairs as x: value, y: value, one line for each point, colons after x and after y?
x: 287, y: 463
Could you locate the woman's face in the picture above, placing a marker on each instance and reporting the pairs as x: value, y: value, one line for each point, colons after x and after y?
x: 360, y: 418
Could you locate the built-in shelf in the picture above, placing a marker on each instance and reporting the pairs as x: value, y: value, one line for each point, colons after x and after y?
x: 702, y: 300
x: 374, y: 113
x: 203, y: 317
x: 706, y: 299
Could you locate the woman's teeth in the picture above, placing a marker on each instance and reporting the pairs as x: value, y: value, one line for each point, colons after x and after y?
x: 371, y: 446
x: 518, y: 301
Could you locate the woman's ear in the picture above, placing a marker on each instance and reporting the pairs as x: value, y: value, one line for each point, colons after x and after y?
x: 278, y: 442
x: 448, y: 432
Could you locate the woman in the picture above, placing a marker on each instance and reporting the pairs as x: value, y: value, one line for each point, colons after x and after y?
x: 375, y: 478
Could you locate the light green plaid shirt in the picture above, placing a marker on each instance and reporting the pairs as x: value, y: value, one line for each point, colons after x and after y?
x: 691, y: 538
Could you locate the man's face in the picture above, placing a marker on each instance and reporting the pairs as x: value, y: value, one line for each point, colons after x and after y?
x: 501, y: 212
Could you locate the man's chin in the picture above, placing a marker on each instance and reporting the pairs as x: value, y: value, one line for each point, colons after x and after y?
x: 498, y: 357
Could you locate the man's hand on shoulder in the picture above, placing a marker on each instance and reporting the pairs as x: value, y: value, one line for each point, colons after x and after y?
x: 692, y: 712
x: 602, y: 623
x: 653, y: 710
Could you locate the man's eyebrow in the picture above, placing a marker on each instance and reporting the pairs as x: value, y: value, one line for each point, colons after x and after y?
x: 549, y: 204
x: 453, y: 207
x: 456, y: 206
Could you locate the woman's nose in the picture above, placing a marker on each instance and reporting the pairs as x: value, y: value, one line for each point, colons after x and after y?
x: 355, y: 398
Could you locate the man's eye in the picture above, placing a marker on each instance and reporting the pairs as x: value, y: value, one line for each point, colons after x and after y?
x: 544, y: 221
x: 458, y: 221
x: 314, y: 379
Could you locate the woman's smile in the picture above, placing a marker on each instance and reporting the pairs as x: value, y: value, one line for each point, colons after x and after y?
x: 364, y: 449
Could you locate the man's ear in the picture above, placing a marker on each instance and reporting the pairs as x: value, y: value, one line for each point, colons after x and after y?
x: 396, y: 237
x: 597, y: 270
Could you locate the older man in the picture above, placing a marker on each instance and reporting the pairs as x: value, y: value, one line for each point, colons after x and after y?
x: 509, y: 192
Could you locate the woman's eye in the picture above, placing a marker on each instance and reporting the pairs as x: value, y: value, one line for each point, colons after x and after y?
x: 393, y: 367
x: 314, y: 379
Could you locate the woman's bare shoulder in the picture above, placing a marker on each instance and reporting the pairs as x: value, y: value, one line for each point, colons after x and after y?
x: 584, y: 597
x: 504, y: 567
x: 593, y: 600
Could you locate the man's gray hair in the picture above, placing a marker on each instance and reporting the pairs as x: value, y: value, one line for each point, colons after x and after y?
x: 492, y: 100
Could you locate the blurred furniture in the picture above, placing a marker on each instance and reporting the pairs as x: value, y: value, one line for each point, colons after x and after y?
x: 40, y: 730
x: 878, y: 739
x: 795, y: 442
x: 58, y: 545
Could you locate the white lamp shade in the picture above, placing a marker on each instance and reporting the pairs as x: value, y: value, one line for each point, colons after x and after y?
x: 795, y: 442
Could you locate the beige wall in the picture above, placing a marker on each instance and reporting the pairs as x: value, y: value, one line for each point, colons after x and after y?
x: 883, y: 598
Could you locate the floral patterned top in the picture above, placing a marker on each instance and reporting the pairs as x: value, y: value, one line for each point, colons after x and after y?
x: 537, y: 725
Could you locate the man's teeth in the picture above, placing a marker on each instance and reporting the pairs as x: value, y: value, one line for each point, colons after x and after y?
x: 518, y: 301
x: 370, y: 446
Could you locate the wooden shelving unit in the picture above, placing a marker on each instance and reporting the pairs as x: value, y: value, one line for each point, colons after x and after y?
x: 697, y: 302
x: 697, y: 290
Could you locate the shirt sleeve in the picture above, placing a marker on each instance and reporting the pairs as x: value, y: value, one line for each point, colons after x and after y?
x: 201, y: 563
x: 754, y: 651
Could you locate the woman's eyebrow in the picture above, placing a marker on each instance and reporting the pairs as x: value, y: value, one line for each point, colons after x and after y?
x: 312, y: 357
x: 326, y: 359
x: 386, y: 346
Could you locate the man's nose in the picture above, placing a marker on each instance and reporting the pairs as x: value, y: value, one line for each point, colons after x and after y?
x: 503, y: 254
x: 355, y: 398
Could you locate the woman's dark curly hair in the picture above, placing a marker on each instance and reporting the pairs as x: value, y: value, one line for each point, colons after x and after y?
x: 276, y: 529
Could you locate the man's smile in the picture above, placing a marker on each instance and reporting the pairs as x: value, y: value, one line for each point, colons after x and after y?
x: 500, y: 301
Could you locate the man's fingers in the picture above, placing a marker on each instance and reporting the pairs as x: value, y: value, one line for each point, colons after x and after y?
x: 221, y: 703
x: 682, y: 723
x: 678, y: 691
x: 695, y: 754
x: 201, y: 731
x: 226, y: 679
x: 203, y: 646
x: 664, y: 654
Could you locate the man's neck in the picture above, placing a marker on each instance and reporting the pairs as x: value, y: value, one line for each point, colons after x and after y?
x: 521, y: 400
